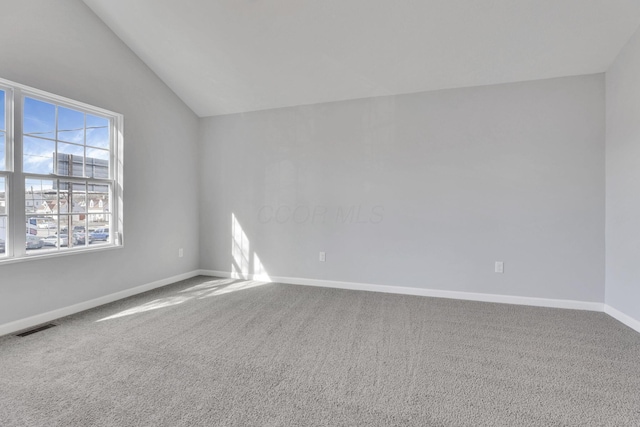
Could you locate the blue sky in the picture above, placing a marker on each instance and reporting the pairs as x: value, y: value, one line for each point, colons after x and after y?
x: 39, y: 128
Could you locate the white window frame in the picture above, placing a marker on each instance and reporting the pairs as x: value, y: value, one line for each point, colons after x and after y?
x: 6, y: 173
x: 15, y: 250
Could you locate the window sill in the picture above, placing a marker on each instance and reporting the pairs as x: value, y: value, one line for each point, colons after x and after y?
x: 63, y: 253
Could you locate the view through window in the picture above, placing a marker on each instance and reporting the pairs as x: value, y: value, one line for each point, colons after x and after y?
x: 64, y: 168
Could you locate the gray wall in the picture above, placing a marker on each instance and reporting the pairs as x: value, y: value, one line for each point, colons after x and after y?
x: 62, y: 47
x: 446, y: 184
x: 623, y: 181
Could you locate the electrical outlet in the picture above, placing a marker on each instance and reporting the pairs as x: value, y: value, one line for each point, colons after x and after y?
x: 323, y: 257
x: 499, y: 267
x: 180, y: 253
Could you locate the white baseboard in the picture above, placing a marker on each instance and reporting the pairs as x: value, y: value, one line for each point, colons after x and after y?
x: 18, y: 325
x: 471, y: 296
x: 623, y: 318
x: 29, y: 322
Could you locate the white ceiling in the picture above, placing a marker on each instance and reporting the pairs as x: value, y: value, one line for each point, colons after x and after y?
x: 230, y: 56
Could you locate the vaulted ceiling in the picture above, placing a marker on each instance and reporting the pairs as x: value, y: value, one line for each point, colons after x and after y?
x: 231, y: 56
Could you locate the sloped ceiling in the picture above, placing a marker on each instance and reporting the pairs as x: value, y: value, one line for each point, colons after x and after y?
x: 231, y: 56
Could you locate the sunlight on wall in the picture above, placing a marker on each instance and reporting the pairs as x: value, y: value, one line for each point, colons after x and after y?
x: 243, y: 266
x: 259, y: 272
x: 239, y: 250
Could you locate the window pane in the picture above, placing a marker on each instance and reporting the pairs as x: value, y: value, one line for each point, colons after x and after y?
x: 3, y: 152
x: 98, y: 201
x: 99, y: 229
x: 3, y: 196
x: 64, y: 200
x: 97, y: 163
x: 78, y: 197
x: 39, y: 118
x: 70, y: 159
x: 70, y: 125
x: 38, y: 155
x: 72, y: 197
x: 63, y: 231
x: 41, y: 205
x: 46, y: 236
x: 3, y: 213
x: 80, y: 235
x: 3, y: 234
x: 41, y: 198
x: 97, y: 131
x: 98, y: 209
x: 49, y: 235
x: 35, y: 236
x: 3, y: 124
x: 3, y: 218
x: 32, y: 226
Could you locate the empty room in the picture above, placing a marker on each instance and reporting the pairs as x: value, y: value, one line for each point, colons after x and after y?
x: 319, y: 213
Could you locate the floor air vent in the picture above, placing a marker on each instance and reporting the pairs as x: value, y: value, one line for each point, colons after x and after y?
x: 34, y: 330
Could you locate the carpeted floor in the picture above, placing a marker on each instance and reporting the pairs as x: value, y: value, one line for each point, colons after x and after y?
x: 218, y: 352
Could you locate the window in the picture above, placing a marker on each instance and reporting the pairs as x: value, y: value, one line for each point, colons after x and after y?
x: 60, y: 175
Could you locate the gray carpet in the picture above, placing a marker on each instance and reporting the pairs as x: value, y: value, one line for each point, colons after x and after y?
x: 207, y: 352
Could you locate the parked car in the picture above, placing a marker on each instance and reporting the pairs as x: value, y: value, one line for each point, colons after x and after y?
x: 80, y: 236
x: 99, y: 234
x: 34, y: 242
x: 50, y: 240
x: 53, y: 240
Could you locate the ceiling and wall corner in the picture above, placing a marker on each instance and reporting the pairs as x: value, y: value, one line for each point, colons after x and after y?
x: 235, y: 56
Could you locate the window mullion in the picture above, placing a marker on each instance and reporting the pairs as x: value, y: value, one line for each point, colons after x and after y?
x: 84, y: 147
x: 7, y: 173
x: 116, y: 175
x: 9, y: 118
x: 7, y: 214
x: 18, y: 216
x: 55, y: 136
